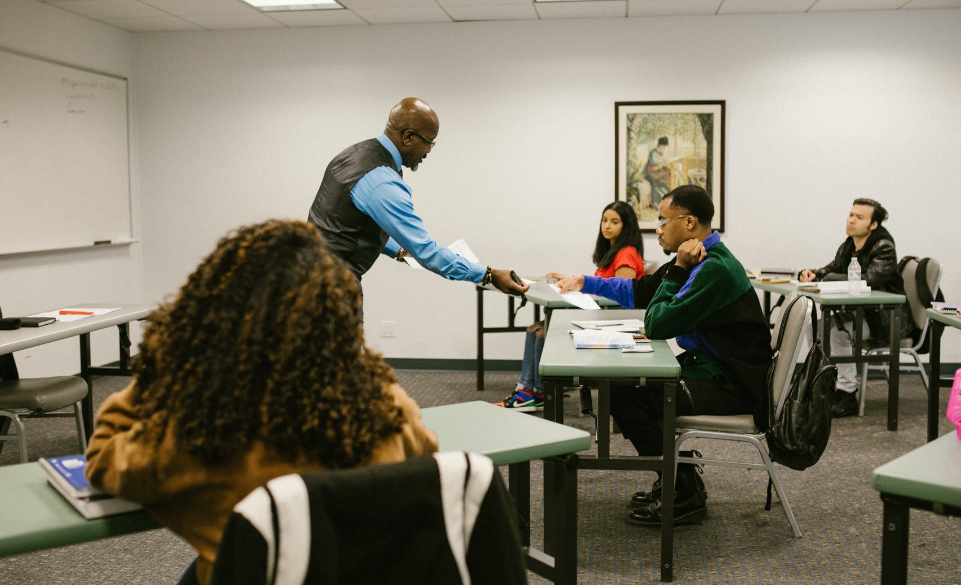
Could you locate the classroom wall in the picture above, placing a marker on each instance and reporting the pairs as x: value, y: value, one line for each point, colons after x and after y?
x: 237, y: 127
x: 39, y: 282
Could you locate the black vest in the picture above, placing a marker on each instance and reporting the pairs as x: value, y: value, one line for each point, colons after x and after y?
x: 349, y: 233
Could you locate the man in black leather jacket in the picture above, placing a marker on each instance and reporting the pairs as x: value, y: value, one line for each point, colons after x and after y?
x: 873, y: 246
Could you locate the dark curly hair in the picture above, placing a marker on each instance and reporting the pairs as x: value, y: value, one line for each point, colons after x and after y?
x: 265, y: 342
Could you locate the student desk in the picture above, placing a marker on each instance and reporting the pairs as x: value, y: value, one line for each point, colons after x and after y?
x: 27, y: 337
x: 938, y: 322
x: 514, y: 439
x: 927, y: 478
x: 563, y: 366
x: 537, y: 300
x: 837, y: 303
x: 34, y: 516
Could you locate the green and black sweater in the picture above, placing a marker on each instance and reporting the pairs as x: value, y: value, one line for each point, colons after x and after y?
x: 713, y: 313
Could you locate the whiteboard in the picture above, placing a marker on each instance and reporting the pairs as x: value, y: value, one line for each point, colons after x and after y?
x: 64, y: 156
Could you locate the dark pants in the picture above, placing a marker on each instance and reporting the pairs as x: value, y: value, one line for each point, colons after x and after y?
x: 190, y: 575
x: 639, y: 412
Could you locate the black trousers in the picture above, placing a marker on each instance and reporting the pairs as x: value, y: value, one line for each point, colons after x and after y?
x: 639, y: 412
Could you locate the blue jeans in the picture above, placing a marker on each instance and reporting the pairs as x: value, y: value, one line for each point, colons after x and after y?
x: 530, y: 377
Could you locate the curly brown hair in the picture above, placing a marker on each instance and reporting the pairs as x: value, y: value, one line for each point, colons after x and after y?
x: 265, y: 342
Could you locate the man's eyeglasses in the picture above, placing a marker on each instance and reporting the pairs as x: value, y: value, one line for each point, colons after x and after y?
x: 663, y: 222
x: 430, y: 143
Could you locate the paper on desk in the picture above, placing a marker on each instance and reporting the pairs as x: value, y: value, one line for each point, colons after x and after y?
x: 459, y: 247
x: 552, y: 293
x: 67, y: 318
x: 628, y: 325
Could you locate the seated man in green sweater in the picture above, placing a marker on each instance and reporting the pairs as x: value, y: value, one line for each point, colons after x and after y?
x: 703, y: 299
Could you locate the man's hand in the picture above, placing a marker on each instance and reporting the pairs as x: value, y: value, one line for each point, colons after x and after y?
x: 690, y: 254
x: 807, y: 276
x: 571, y: 283
x: 502, y: 281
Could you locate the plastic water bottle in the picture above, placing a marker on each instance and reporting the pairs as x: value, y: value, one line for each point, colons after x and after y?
x: 854, y: 278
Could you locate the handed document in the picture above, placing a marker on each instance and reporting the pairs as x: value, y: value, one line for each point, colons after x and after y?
x: 459, y: 247
x: 552, y: 293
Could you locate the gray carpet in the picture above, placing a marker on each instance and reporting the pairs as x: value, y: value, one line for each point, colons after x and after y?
x: 838, y: 511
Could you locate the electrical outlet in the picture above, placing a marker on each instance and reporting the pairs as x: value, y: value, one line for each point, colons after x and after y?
x: 388, y: 328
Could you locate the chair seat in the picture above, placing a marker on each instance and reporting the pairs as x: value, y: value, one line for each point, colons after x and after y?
x: 41, y: 394
x: 738, y: 423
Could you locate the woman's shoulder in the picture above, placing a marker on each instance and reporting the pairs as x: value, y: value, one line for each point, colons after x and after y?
x: 629, y: 256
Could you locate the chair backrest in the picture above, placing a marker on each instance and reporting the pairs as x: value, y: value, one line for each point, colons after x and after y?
x: 795, y: 328
x: 441, y: 519
x: 916, y: 304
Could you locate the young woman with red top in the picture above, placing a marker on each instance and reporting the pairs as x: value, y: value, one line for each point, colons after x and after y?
x: 618, y: 253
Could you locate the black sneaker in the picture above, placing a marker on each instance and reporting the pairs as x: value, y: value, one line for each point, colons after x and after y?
x: 644, y: 499
x: 690, y: 509
x: 845, y: 404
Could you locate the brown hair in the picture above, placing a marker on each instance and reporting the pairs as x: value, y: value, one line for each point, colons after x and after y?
x: 265, y: 342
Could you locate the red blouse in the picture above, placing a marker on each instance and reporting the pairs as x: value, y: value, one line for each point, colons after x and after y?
x: 627, y: 256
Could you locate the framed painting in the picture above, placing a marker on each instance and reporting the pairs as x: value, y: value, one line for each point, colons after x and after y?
x: 662, y: 145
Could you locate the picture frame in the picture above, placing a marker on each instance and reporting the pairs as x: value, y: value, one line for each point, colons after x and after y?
x: 662, y: 145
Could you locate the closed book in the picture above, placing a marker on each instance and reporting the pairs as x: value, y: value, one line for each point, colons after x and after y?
x: 67, y: 476
x: 36, y: 321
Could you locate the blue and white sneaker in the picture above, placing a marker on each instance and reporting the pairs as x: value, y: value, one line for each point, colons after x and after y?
x: 523, y: 400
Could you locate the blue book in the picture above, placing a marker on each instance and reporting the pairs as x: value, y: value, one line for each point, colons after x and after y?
x: 68, y: 473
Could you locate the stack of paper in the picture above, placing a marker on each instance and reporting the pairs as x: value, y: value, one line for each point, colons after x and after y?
x: 628, y: 325
x: 602, y: 339
x: 946, y: 308
x: 832, y: 287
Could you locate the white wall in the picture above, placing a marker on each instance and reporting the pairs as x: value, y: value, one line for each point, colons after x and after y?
x: 29, y: 284
x: 238, y: 126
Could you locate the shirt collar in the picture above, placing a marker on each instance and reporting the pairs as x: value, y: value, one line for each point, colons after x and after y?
x: 386, y: 143
x: 712, y: 239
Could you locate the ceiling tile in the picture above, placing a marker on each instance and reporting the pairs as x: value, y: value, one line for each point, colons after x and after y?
x: 189, y: 7
x: 98, y: 9
x: 150, y: 24
x: 923, y: 4
x: 449, y: 3
x: 671, y: 7
x: 489, y: 12
x: 403, y: 15
x: 764, y: 6
x: 297, y: 18
x: 233, y: 21
x: 592, y: 9
x: 378, y: 4
x: 838, y: 5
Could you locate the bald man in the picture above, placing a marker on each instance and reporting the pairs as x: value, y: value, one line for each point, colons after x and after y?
x: 364, y: 208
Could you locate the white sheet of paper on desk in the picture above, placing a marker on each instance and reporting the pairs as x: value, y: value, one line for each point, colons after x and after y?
x: 67, y: 318
x: 459, y: 247
x: 628, y: 325
x: 578, y: 299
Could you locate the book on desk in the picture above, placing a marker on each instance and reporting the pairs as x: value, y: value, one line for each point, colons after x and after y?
x: 67, y: 475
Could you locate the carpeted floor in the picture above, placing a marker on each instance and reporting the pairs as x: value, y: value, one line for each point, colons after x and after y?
x: 739, y: 543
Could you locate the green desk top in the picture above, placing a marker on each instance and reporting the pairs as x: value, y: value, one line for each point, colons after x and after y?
x: 539, y: 299
x: 34, y: 516
x: 781, y: 288
x: 874, y: 297
x: 26, y: 337
x: 931, y: 472
x: 561, y: 359
x: 506, y: 436
x: 950, y: 320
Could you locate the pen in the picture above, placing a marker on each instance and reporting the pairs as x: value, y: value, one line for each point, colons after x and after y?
x: 76, y: 312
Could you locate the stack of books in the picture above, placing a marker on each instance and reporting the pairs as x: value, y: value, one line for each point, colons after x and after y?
x: 946, y: 308
x: 66, y: 475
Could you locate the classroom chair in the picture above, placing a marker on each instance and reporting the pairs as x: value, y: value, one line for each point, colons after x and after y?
x: 916, y: 306
x: 22, y: 398
x: 441, y: 519
x: 741, y: 428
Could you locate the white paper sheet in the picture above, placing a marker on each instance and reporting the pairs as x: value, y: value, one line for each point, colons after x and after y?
x: 83, y: 310
x: 551, y: 292
x: 459, y: 247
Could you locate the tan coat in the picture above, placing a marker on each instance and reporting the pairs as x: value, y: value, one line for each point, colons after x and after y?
x: 192, y: 499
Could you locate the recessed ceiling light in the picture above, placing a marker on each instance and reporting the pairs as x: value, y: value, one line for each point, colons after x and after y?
x: 270, y: 5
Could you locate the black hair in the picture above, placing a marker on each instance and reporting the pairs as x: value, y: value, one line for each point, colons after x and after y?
x: 695, y: 201
x: 604, y: 251
x: 662, y: 140
x: 880, y: 213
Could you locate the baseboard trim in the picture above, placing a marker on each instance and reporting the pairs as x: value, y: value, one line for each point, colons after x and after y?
x: 453, y: 365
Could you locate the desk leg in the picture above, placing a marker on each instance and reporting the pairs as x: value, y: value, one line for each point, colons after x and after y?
x: 894, y: 370
x: 519, y: 486
x: 480, y: 339
x: 894, y: 543
x: 604, y: 419
x: 560, y: 505
x: 934, y: 379
x: 86, y: 405
x: 667, y: 483
x: 767, y: 306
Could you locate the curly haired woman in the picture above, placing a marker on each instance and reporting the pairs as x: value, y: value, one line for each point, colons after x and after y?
x: 257, y: 369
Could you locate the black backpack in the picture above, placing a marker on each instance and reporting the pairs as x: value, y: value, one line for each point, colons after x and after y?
x: 800, y: 433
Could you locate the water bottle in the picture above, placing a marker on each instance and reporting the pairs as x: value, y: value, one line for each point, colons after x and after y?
x: 854, y: 278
